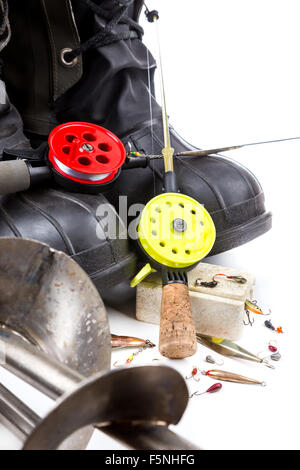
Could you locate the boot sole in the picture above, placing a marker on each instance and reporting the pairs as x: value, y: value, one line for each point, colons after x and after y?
x: 241, y: 234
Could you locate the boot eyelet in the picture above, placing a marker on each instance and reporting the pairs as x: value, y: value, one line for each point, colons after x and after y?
x: 63, y: 59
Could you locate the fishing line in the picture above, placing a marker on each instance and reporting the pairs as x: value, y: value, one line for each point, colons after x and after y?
x: 151, y: 118
x: 165, y: 119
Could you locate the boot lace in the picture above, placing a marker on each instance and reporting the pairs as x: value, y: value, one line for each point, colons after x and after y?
x: 105, y: 35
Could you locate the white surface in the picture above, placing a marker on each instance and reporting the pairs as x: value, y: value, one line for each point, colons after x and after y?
x: 232, y: 72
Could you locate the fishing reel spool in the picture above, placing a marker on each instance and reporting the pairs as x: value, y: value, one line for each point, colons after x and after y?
x: 80, y: 157
x: 85, y: 157
x: 174, y: 233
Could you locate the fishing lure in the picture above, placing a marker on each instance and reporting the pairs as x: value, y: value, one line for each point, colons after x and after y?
x: 193, y: 374
x: 131, y: 357
x: 276, y: 357
x: 252, y: 306
x: 145, y: 345
x: 229, y: 349
x: 272, y: 347
x: 214, y: 283
x: 213, y: 389
x: 211, y: 360
x: 269, y: 325
x: 231, y: 377
x: 118, y: 342
x: 237, y: 279
x: 210, y: 284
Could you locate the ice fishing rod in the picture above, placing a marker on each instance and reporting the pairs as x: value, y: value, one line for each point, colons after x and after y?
x: 174, y: 233
x: 208, y: 152
x: 81, y: 157
x: 78, y: 156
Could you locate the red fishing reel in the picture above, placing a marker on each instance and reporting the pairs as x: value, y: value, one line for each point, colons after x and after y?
x: 85, y: 157
x: 79, y: 156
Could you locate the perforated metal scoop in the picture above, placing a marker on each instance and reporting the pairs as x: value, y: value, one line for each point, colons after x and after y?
x: 48, y: 301
x: 51, y: 317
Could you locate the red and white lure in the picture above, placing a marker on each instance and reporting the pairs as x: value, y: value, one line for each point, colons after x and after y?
x: 237, y: 279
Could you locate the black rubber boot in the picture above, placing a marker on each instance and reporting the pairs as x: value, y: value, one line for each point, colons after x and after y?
x: 69, y: 222
x: 85, y: 61
x: 11, y: 126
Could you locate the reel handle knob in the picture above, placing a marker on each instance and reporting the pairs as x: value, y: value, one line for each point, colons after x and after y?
x: 177, y: 338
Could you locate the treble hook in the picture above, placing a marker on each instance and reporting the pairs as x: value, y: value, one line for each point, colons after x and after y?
x: 249, y: 319
x: 193, y: 375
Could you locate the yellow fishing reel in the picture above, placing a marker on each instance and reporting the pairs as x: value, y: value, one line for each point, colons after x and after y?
x: 175, y: 232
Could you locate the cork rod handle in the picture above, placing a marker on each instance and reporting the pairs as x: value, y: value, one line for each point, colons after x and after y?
x: 177, y: 330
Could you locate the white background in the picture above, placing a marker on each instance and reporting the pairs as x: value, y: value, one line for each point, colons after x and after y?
x: 232, y: 75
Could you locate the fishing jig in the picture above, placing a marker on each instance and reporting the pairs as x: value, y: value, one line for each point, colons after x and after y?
x: 237, y: 279
x: 213, y: 389
x: 211, y: 360
x: 194, y: 374
x: 269, y: 325
x: 141, y: 349
x: 214, y: 282
x: 229, y: 349
x: 272, y: 346
x: 231, y: 377
x: 209, y: 284
x: 276, y: 357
